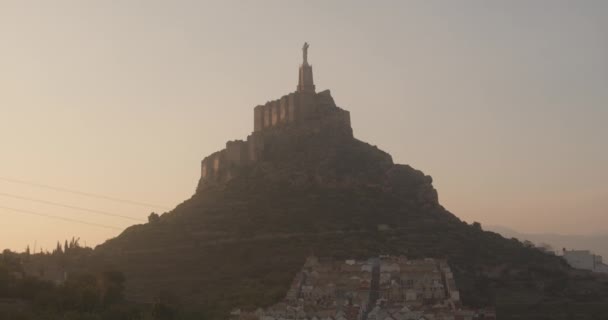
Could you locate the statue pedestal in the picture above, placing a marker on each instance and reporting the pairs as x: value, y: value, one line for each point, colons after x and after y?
x: 305, y: 81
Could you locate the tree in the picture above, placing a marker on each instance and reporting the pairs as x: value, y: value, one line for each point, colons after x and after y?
x: 165, y: 306
x: 4, y: 278
x: 74, y: 243
x: 81, y: 292
x: 112, y: 286
x: 547, y: 248
x: 58, y: 249
x: 528, y: 244
x: 153, y: 217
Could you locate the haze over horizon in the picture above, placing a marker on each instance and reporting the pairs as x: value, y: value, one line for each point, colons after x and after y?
x: 504, y: 104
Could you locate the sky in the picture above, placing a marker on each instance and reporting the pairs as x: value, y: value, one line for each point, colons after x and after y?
x: 503, y: 103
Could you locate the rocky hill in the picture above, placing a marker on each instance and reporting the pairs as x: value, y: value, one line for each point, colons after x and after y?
x: 239, y: 243
x: 302, y: 184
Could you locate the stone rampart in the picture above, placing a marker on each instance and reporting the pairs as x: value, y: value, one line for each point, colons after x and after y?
x: 255, y: 146
x: 211, y: 166
x: 237, y: 152
x: 295, y: 107
x: 258, y: 118
x: 303, y: 110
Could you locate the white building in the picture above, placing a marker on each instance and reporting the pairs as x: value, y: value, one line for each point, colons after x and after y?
x: 586, y: 260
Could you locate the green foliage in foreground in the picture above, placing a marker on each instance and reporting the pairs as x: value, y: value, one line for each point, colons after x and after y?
x: 84, y: 296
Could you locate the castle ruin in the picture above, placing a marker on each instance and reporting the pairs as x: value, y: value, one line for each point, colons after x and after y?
x: 304, y: 109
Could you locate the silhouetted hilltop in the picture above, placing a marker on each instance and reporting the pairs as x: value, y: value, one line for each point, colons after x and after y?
x: 307, y: 186
x: 238, y: 243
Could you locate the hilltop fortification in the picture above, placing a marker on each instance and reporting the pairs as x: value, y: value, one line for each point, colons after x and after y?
x: 304, y: 110
x: 302, y: 183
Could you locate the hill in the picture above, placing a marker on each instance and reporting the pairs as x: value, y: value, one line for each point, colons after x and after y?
x: 240, y: 242
x: 302, y: 184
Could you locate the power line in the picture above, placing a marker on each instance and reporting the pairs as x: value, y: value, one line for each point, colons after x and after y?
x: 68, y: 206
x: 86, y: 194
x: 60, y: 218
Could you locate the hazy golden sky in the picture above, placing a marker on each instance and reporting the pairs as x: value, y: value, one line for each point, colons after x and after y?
x: 504, y: 103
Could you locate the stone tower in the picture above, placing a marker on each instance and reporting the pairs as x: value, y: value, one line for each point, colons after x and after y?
x: 303, y: 111
x: 305, y: 82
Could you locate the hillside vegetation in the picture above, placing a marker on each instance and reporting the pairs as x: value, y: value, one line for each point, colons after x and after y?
x: 239, y: 244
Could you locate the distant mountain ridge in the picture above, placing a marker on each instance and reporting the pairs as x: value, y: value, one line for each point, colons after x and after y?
x: 597, y: 243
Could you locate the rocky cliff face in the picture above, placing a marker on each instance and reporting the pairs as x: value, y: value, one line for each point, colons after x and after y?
x: 239, y: 242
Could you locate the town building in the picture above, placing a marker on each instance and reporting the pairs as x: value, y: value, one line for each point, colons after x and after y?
x: 585, y: 259
x: 383, y: 288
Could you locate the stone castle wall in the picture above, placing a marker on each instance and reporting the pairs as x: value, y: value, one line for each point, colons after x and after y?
x: 297, y: 107
x: 236, y: 152
x: 219, y: 165
x: 307, y: 110
x: 276, y: 112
